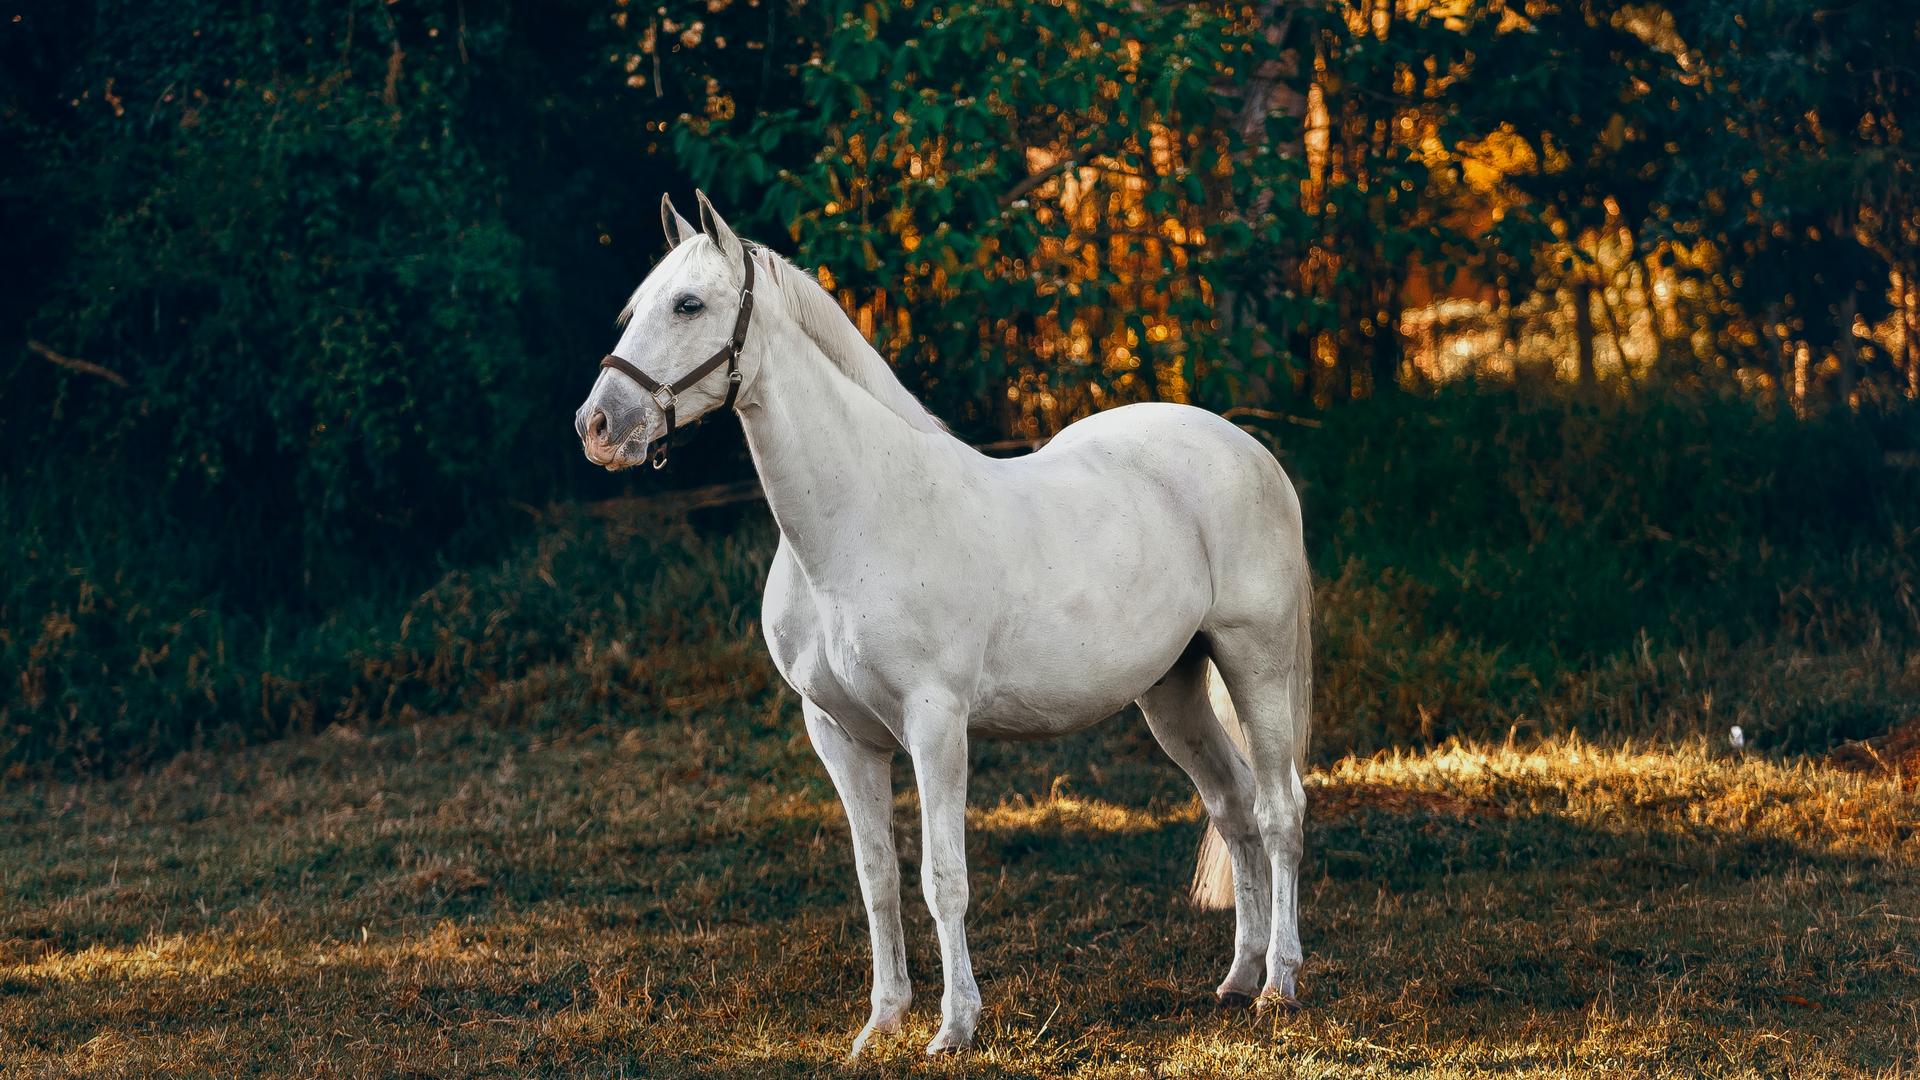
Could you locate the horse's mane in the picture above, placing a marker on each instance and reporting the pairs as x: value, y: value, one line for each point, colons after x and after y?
x: 822, y: 319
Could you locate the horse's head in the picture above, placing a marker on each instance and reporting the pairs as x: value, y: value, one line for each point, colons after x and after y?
x: 685, y: 317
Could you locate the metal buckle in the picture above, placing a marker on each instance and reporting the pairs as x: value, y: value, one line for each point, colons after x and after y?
x: 659, y: 457
x: 663, y: 397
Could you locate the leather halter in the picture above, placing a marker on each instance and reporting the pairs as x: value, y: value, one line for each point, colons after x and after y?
x: 666, y: 395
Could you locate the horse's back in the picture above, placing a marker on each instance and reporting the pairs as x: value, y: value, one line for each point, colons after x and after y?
x: 1229, y: 483
x: 1189, y: 448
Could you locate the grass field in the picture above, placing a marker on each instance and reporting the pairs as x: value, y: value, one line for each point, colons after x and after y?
x: 670, y: 893
x: 550, y: 812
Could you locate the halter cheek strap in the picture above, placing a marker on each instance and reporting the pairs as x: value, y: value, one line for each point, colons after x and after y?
x: 667, y: 395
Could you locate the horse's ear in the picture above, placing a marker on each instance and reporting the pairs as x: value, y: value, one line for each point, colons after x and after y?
x: 716, y: 228
x: 678, y: 229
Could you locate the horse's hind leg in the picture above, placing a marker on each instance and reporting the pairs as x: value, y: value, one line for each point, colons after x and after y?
x: 1267, y: 670
x: 1183, y: 721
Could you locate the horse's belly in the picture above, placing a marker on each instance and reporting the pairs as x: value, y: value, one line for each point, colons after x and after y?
x: 1007, y: 717
x: 1033, y: 686
x: 1066, y: 704
x: 1077, y: 673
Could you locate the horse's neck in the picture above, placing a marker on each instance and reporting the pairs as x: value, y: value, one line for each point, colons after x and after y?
x: 832, y: 459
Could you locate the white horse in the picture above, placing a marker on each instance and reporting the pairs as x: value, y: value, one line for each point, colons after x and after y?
x: 924, y: 594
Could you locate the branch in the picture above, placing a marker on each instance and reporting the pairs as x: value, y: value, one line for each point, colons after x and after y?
x: 75, y: 364
x: 1035, y: 180
x: 1268, y: 414
x: 1077, y: 159
x: 1136, y: 234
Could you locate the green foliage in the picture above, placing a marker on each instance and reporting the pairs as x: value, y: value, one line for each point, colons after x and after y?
x: 124, y: 648
x: 310, y: 289
x: 1809, y: 164
x: 1094, y: 202
x: 1493, y: 559
x: 929, y: 154
x: 1488, y: 561
x: 1097, y: 201
x: 353, y: 263
x: 1586, y: 524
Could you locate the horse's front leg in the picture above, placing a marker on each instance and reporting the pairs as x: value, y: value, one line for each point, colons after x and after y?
x: 937, y: 739
x: 864, y: 778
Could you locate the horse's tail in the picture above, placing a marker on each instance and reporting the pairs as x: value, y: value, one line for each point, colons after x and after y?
x: 1212, y: 887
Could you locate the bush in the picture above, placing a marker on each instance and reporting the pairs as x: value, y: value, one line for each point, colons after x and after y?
x: 1490, y: 564
x: 1561, y: 529
x: 124, y: 649
x: 1666, y: 565
x: 354, y: 263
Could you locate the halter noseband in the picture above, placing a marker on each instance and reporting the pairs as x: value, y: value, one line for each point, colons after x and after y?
x: 665, y: 395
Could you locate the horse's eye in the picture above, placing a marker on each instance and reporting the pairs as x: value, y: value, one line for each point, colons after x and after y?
x: 688, y: 305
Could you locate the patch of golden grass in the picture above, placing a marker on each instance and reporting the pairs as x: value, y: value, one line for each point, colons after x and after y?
x: 676, y: 898
x: 1683, y: 787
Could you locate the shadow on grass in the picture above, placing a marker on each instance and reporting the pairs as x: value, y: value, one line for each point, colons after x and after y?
x: 569, y: 906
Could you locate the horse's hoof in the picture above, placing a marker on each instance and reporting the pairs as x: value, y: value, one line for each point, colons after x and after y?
x: 949, y: 1043
x: 1276, y: 1002
x: 884, y: 1022
x: 1233, y: 999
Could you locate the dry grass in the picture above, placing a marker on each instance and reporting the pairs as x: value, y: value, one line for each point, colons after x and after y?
x: 673, y: 896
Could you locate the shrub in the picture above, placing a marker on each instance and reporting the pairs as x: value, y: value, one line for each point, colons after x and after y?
x: 1490, y: 564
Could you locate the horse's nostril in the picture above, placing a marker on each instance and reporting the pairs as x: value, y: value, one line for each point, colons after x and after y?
x: 597, y: 426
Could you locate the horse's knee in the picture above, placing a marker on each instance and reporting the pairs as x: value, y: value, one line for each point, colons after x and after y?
x: 1238, y: 831
x: 1231, y: 816
x: 947, y: 891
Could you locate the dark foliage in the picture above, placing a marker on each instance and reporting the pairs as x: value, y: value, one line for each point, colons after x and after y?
x: 1491, y: 560
x: 302, y: 297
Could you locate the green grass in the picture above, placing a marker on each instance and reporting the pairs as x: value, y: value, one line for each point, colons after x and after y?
x: 669, y: 892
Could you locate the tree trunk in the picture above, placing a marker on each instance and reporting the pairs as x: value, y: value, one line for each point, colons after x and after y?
x: 1338, y: 373
x: 1782, y: 370
x: 1583, y: 333
x: 1650, y: 280
x: 1845, y: 349
x: 1911, y: 312
x: 1388, y: 347
x: 1619, y: 336
x: 1511, y: 326
x: 1267, y: 88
